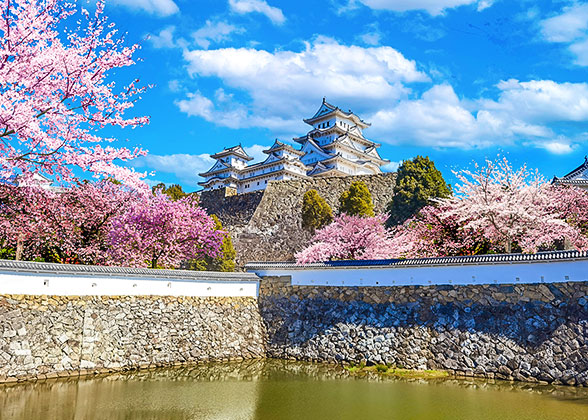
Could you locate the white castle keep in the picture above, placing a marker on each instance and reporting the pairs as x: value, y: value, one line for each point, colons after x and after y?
x: 335, y: 146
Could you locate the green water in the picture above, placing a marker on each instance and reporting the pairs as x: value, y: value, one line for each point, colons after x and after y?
x: 284, y: 390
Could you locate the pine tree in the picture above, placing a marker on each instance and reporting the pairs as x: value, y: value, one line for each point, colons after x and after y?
x: 174, y: 191
x: 357, y: 201
x: 316, y: 213
x: 418, y: 181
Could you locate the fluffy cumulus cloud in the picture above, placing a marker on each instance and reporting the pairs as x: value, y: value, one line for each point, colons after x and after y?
x: 155, y: 7
x: 164, y: 39
x: 433, y: 7
x: 570, y: 27
x: 346, y: 74
x: 258, y: 6
x: 522, y: 112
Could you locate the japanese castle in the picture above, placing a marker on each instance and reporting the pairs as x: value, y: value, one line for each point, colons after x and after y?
x: 577, y: 178
x: 335, y: 146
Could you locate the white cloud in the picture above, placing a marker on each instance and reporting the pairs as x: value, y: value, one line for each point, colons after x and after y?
x: 185, y: 167
x: 275, y: 90
x: 155, y: 7
x: 571, y: 28
x: 580, y: 49
x: 522, y: 112
x: 542, y: 101
x: 214, y: 32
x: 568, y: 26
x: 164, y: 39
x: 484, y: 4
x: 259, y: 6
x: 557, y: 147
x: 433, y: 7
x: 284, y: 84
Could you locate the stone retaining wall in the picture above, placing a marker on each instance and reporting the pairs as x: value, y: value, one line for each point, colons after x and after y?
x: 267, y: 225
x: 48, y: 336
x: 523, y: 332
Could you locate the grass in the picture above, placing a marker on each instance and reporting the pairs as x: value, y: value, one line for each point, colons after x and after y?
x: 397, y: 371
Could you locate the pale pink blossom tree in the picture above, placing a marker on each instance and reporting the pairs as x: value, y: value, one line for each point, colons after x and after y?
x: 349, y: 238
x: 55, y: 94
x: 508, y: 206
x: 163, y: 233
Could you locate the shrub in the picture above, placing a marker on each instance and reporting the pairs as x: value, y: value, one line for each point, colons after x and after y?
x: 357, y: 201
x: 316, y: 213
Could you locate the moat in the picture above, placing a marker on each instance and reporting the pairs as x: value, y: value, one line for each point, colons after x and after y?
x: 272, y: 389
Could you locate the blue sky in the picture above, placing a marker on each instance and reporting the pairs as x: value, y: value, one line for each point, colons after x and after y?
x: 456, y: 80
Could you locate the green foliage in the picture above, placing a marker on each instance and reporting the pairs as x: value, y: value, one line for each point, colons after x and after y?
x: 6, y: 251
x: 225, y: 262
x: 316, y: 213
x: 175, y: 191
x: 417, y: 182
x: 357, y: 201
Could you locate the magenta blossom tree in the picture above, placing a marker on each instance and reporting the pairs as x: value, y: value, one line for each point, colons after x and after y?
x: 55, y: 94
x: 349, y: 238
x: 69, y: 226
x: 159, y: 232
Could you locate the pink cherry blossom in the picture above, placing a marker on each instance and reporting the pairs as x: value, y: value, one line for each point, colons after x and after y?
x: 55, y: 94
x: 160, y: 232
x: 349, y: 238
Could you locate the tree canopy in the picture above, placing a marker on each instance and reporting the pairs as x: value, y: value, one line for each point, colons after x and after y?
x: 174, y: 191
x: 56, y: 93
x: 356, y: 201
x: 417, y: 182
x: 316, y: 213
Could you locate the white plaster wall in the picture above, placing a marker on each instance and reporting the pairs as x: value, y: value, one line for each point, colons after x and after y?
x: 517, y: 273
x: 26, y: 283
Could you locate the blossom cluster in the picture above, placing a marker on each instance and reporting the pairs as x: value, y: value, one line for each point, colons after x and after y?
x: 55, y: 94
x: 104, y: 223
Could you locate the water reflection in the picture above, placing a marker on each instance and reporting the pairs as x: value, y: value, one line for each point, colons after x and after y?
x: 273, y: 389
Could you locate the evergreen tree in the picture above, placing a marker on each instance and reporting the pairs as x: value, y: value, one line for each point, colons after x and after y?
x: 417, y: 182
x: 224, y: 262
x: 357, y: 201
x: 316, y: 213
x: 175, y: 191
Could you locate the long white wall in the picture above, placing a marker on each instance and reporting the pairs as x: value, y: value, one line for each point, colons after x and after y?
x: 467, y: 274
x: 79, y: 284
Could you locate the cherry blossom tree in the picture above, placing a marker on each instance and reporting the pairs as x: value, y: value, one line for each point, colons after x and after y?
x: 509, y: 206
x: 25, y: 220
x: 160, y: 232
x: 430, y: 233
x: 55, y: 94
x: 497, y: 209
x: 69, y: 226
x: 349, y: 238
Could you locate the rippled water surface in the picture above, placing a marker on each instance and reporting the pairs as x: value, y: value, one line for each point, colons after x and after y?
x: 284, y: 390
